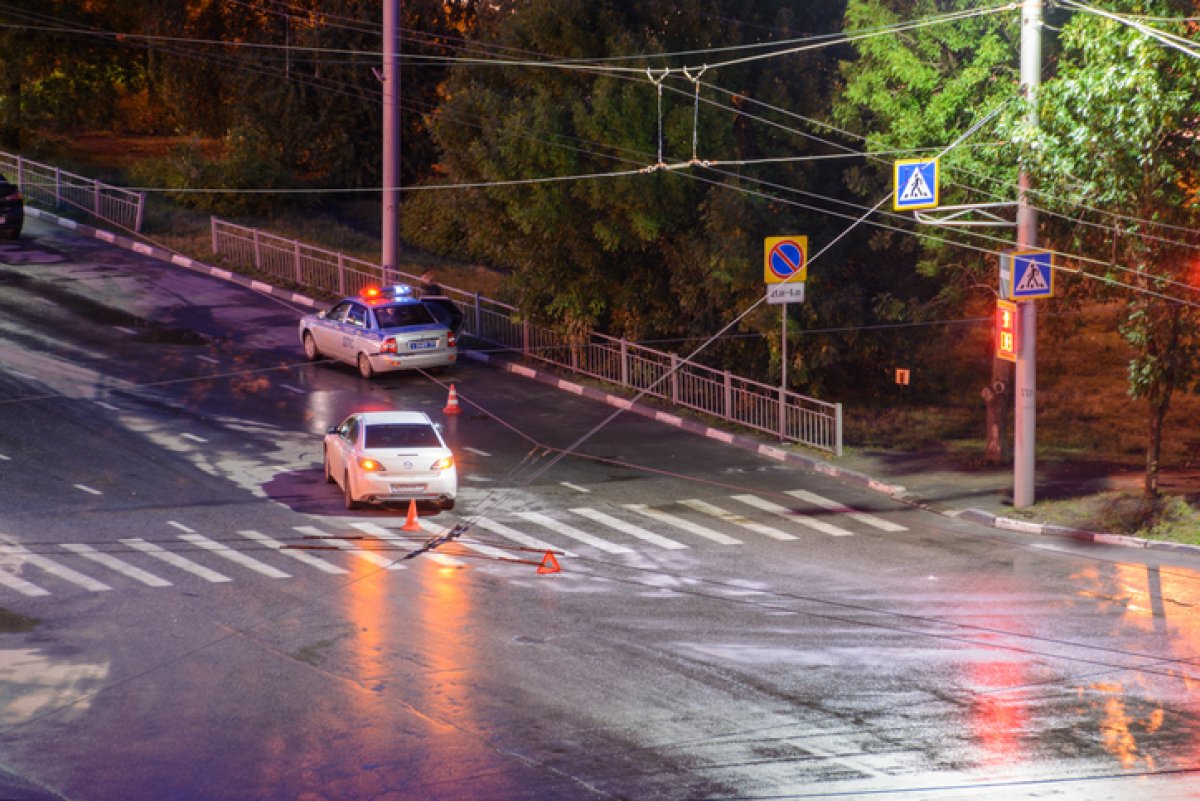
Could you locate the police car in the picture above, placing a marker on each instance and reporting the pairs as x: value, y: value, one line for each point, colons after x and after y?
x: 384, y: 330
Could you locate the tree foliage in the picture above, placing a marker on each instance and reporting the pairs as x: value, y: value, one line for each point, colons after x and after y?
x: 1117, y: 158
x: 658, y: 254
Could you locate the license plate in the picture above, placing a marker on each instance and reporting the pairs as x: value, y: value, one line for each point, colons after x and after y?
x: 422, y: 344
x: 408, y: 487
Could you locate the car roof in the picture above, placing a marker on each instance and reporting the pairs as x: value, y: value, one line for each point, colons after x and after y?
x: 394, y: 417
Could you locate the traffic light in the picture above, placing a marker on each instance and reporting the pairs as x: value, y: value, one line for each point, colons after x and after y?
x: 1006, y: 330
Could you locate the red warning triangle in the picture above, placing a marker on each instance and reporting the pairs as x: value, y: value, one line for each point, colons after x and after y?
x: 549, y: 564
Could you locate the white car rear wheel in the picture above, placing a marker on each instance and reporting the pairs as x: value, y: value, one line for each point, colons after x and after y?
x: 350, y: 502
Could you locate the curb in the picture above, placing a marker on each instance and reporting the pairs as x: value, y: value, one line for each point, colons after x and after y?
x: 894, y: 491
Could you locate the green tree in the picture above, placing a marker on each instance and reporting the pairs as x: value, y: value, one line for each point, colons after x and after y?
x: 915, y: 92
x: 655, y: 254
x: 1117, y: 156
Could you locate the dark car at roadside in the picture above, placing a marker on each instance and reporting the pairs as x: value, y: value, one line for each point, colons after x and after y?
x: 12, y: 209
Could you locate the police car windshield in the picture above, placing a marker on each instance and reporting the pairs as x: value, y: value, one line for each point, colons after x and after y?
x: 403, y: 314
x: 401, y: 436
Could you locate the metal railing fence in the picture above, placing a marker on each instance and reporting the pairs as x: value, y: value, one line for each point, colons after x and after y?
x: 718, y: 393
x: 57, y: 188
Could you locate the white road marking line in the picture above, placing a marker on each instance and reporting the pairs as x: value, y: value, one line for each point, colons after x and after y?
x: 617, y: 523
x: 21, y: 585
x: 62, y: 571
x: 87, y: 489
x: 105, y: 405
x: 574, y: 533
x: 125, y: 330
x: 301, y: 556
x: 686, y: 525
x: 350, y: 547
x: 477, y: 451
x: 208, y: 359
x: 407, y: 544
x: 235, y: 556
x: 176, y: 560
x: 736, y: 519
x: 181, y: 526
x: 467, y: 542
x: 4, y: 458
x: 792, y: 515
x: 575, y: 487
x: 113, y: 563
x: 834, y: 506
x: 192, y: 437
x: 516, y: 536
x: 296, y: 390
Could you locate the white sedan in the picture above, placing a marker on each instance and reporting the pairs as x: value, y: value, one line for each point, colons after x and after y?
x: 383, y: 457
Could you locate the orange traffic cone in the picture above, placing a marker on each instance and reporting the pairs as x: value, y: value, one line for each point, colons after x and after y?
x: 410, y: 522
x: 452, y: 403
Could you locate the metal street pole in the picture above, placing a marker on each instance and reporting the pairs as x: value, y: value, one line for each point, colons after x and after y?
x: 1025, y: 395
x: 391, y: 139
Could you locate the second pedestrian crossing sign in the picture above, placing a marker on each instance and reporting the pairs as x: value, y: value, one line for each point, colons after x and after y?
x: 1032, y: 275
x: 915, y: 184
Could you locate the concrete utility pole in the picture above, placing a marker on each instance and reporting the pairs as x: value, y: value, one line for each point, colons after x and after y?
x: 1025, y: 422
x: 391, y: 140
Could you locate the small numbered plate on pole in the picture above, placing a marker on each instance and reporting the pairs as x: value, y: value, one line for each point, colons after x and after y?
x: 792, y: 292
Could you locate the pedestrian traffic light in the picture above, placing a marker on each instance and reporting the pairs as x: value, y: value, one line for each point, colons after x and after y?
x: 1006, y: 330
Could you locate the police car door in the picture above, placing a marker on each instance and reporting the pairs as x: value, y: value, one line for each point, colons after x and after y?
x: 356, y: 337
x: 327, y: 330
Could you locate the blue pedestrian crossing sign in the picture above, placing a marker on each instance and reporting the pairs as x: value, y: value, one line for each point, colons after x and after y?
x: 915, y: 184
x: 1032, y: 275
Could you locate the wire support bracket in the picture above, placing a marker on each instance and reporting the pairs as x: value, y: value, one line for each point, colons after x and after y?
x: 978, y: 215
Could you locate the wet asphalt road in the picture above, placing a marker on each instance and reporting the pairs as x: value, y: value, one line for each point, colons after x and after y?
x: 723, y: 627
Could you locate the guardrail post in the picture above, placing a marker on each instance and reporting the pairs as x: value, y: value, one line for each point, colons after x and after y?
x: 624, y: 363
x: 674, y: 378
x: 21, y: 174
x: 57, y: 188
x: 525, y: 338
x: 257, y: 251
x: 141, y: 210
x: 216, y: 246
x: 299, y: 280
x: 728, y: 395
x: 838, y: 428
x: 341, y: 274
x: 478, y: 317
x: 782, y: 414
x: 96, y: 199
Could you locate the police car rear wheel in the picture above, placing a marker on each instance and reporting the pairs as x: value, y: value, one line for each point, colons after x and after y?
x: 364, y: 367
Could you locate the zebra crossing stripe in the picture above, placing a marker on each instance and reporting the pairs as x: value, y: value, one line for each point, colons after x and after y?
x: 834, y: 506
x: 679, y: 522
x: 113, y: 563
x: 62, y: 571
x: 348, y: 546
x: 736, y: 519
x: 410, y: 543
x: 516, y: 536
x: 175, y: 560
x: 629, y: 528
x: 237, y: 557
x: 783, y: 511
x: 574, y: 533
x: 300, y: 556
x: 21, y: 585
